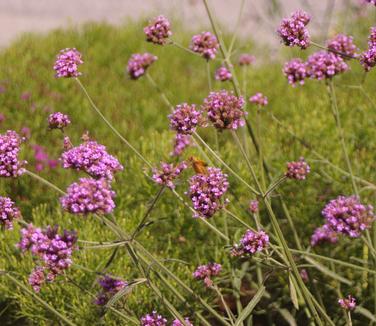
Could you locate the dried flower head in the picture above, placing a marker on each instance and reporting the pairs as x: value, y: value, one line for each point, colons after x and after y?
x: 259, y: 99
x: 225, y: 110
x: 58, y: 120
x: 295, y: 71
x: 153, y: 319
x: 181, y: 142
x: 185, y: 118
x: 8, y: 212
x: 10, y: 165
x: 348, y: 303
x: 250, y: 243
x: 223, y: 74
x: 206, y: 272
x: 293, y: 31
x: 167, y: 173
x: 89, y: 196
x: 139, y: 63
x: 205, y: 44
x: 158, y: 31
x: 343, y: 44
x: 109, y: 287
x: 67, y: 62
x: 206, y: 190
x: 323, y: 234
x: 348, y: 216
x: 297, y: 170
x: 323, y: 65
x: 246, y: 59
x: 254, y: 206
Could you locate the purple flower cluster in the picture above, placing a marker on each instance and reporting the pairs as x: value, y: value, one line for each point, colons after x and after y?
x: 206, y: 190
x: 259, y: 99
x: 177, y: 322
x: 110, y: 286
x: 295, y: 71
x: 92, y: 158
x: 54, y: 252
x: 343, y: 44
x: 293, y: 31
x: 250, y: 243
x: 297, y: 170
x: 139, y: 63
x: 246, y: 59
x: 89, y: 196
x: 372, y: 2
x: 181, y: 142
x: 323, y: 64
x: 368, y: 57
x: 153, y: 319
x: 10, y: 165
x: 58, y: 120
x: 185, y: 118
x: 323, y: 234
x: 42, y: 159
x: 8, y: 212
x: 158, y: 30
x: 205, y: 44
x: 205, y: 273
x: 225, y: 110
x: 348, y: 303
x: 348, y: 216
x: 168, y: 173
x: 223, y: 74
x: 67, y: 62
x: 254, y: 206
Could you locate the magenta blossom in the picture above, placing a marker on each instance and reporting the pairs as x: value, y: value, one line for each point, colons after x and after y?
x: 177, y: 322
x: 295, y: 71
x: 368, y: 58
x: 109, y: 287
x: 181, y: 142
x: 58, y: 120
x: 254, y: 206
x: 259, y: 99
x: 250, y: 243
x: 223, y: 74
x: 324, y: 65
x: 158, y: 31
x: 297, y: 170
x: 348, y: 303
x: 139, y: 63
x: 8, y: 212
x: 167, y: 173
x: 185, y: 118
x: 206, y: 272
x: 246, y: 59
x: 323, y: 234
x: 153, y: 319
x: 67, y: 63
x: 205, y: 44
x: 10, y: 164
x: 343, y: 44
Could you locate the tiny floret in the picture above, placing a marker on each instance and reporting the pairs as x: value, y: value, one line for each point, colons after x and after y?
x: 167, y: 173
x: 254, y: 206
x: 259, y: 99
x: 246, y: 59
x: 58, y: 120
x: 181, y: 142
x: 250, y: 243
x: 323, y: 234
x: 206, y: 272
x: 8, y: 212
x: 139, y: 63
x: 297, y: 170
x: 205, y: 44
x: 158, y: 31
x: 67, y: 62
x: 348, y: 303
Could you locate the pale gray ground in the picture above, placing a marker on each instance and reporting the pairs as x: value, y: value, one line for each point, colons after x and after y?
x: 17, y: 16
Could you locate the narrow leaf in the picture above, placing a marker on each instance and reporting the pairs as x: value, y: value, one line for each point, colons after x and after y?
x: 287, y: 316
x: 250, y: 306
x: 293, y: 294
x: 124, y: 292
x: 366, y: 313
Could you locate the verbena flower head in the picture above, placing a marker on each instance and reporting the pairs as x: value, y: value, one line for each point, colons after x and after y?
x: 348, y: 216
x: 323, y: 234
x: 293, y: 31
x: 223, y: 74
x: 205, y: 44
x: 181, y: 142
x: 67, y: 62
x: 225, y: 110
x: 89, y: 196
x: 348, y: 303
x: 295, y: 71
x: 368, y: 58
x: 58, y: 120
x: 250, y: 243
x: 52, y: 250
x: 10, y: 164
x: 139, y: 63
x: 297, y: 170
x: 304, y: 275
x: 92, y: 158
x: 254, y: 206
x: 167, y: 173
x: 109, y: 287
x: 372, y: 37
x: 185, y: 118
x: 259, y: 99
x: 373, y: 2
x: 343, y: 44
x: 322, y: 65
x: 206, y: 272
x: 8, y: 212
x: 206, y: 191
x: 177, y: 322
x: 246, y: 59
x: 153, y: 319
x: 158, y: 31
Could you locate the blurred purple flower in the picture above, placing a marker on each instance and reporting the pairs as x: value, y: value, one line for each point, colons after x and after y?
x: 348, y: 303
x: 139, y: 63
x: 343, y: 44
x: 67, y: 62
x: 295, y: 71
x: 153, y: 319
x: 323, y: 234
x: 58, y: 120
x: 168, y: 173
x: 181, y: 142
x: 185, y: 118
x: 205, y: 44
x: 10, y: 165
x: 250, y: 243
x: 206, y: 272
x: 246, y: 59
x: 110, y: 286
x: 259, y: 99
x: 223, y: 74
x: 324, y: 65
x: 297, y: 170
x: 158, y: 31
x: 8, y: 212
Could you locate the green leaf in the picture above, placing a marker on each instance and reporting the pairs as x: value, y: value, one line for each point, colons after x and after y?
x: 250, y: 306
x: 287, y: 316
x: 293, y: 294
x: 366, y: 313
x: 124, y: 292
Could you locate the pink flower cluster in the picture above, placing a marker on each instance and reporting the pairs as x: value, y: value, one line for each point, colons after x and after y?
x: 223, y: 74
x: 58, y: 120
x: 348, y: 303
x: 168, y: 173
x: 185, y: 118
x: 206, y: 191
x: 181, y: 142
x: 368, y: 57
x: 205, y: 44
x: 297, y: 170
x: 67, y: 63
x: 89, y: 196
x: 250, y: 243
x: 323, y: 234
x: 348, y: 216
x: 92, y: 158
x: 323, y: 65
x: 246, y: 59
x: 225, y: 110
x: 54, y: 252
x: 8, y: 212
x: 110, y: 286
x: 158, y: 31
x: 139, y: 63
x: 372, y: 2
x: 153, y: 319
x: 10, y: 165
x: 206, y: 272
x: 259, y: 99
x: 42, y: 159
x: 343, y: 44
x: 293, y: 31
x: 295, y: 71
